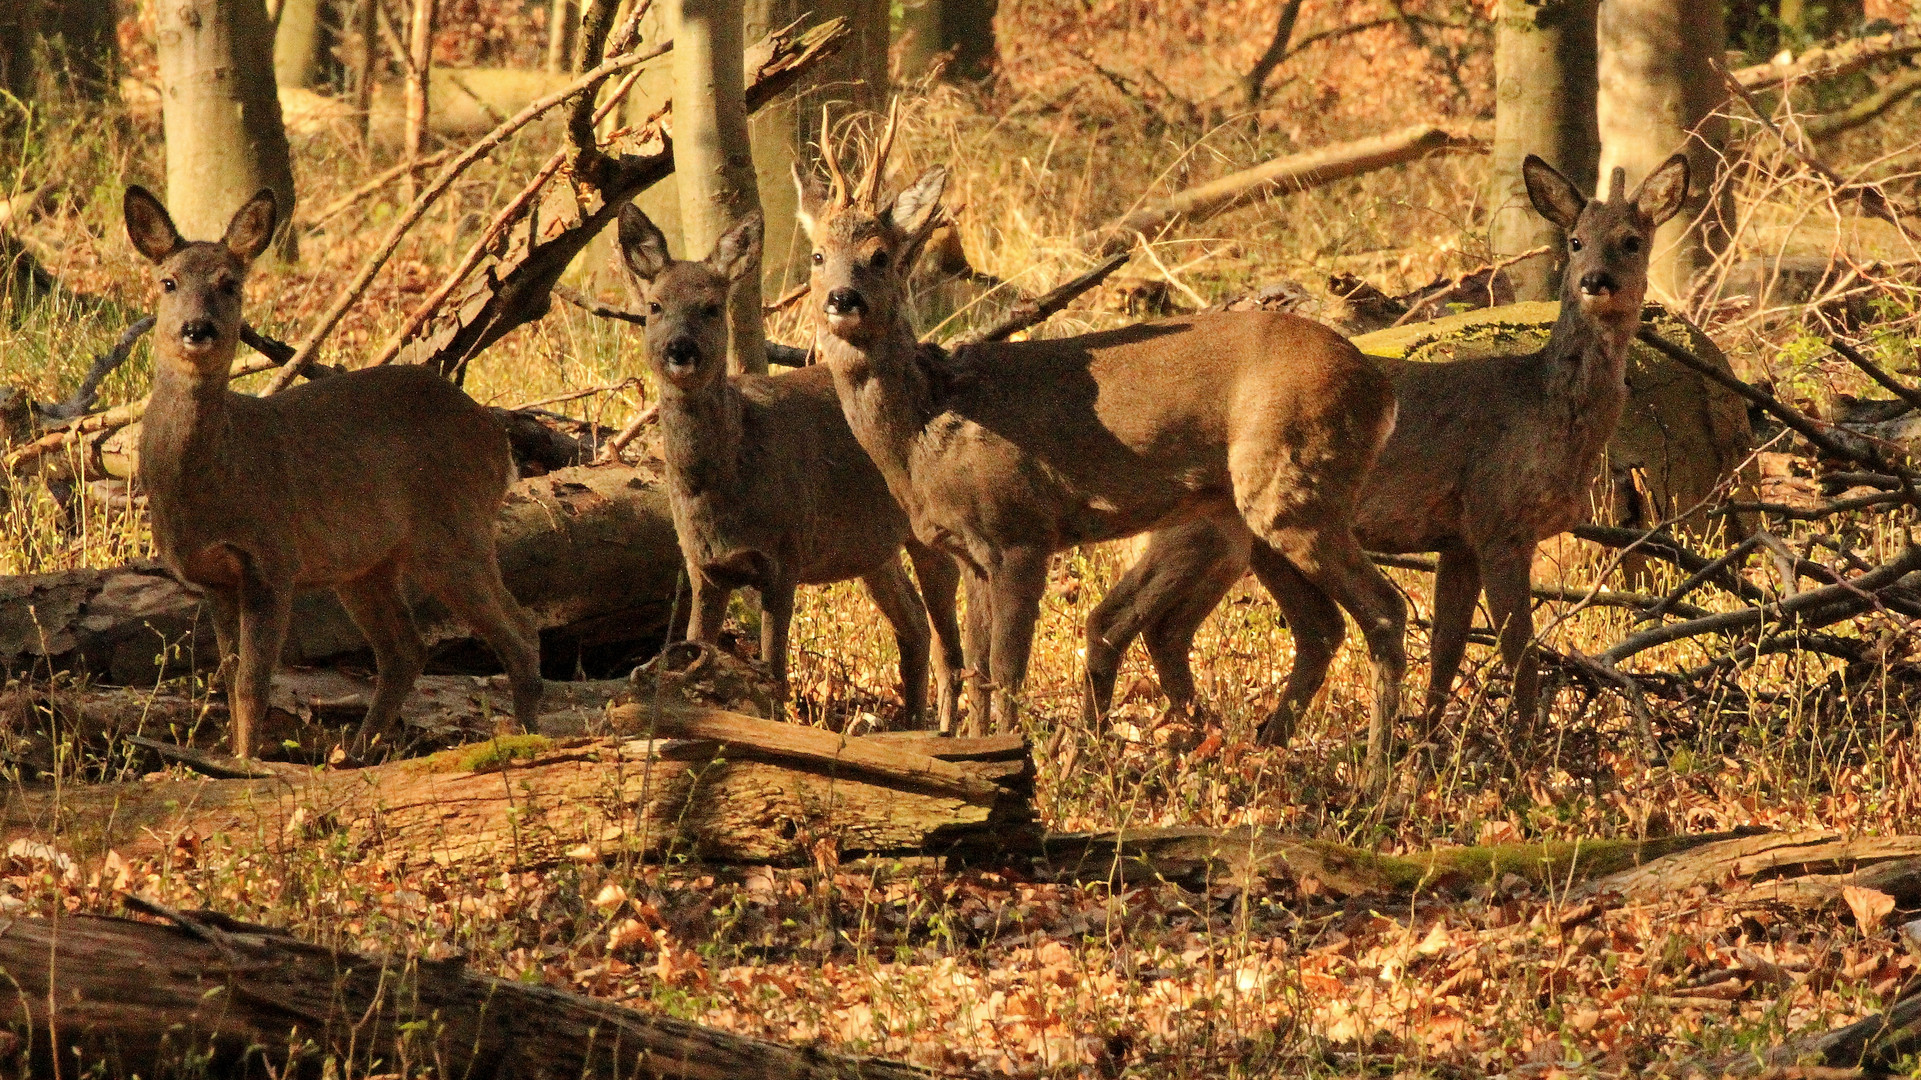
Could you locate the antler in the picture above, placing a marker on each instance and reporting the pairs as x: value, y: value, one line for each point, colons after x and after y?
x: 837, y: 194
x: 870, y: 187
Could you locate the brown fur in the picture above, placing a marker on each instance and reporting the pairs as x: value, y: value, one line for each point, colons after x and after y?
x: 353, y: 482
x: 769, y: 488
x: 1006, y: 453
x: 1490, y: 457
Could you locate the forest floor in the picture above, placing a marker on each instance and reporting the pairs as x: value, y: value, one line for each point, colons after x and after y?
x: 1101, y: 103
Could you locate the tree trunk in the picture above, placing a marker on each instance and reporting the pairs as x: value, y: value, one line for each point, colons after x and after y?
x: 590, y: 551
x: 967, y: 32
x: 420, y: 51
x: 1658, y: 95
x: 211, y: 996
x: 366, y: 64
x: 296, y: 44
x: 1544, y: 61
x: 225, y: 140
x: 713, y: 155
x: 655, y: 781
x: 1255, y: 84
x: 562, y: 20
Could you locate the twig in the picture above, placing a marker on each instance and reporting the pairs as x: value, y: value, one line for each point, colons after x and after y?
x: 1874, y: 371
x: 1034, y: 312
x: 1817, y: 513
x: 594, y: 307
x: 88, y: 392
x: 345, y: 202
x: 787, y: 299
x: 1601, y: 668
x: 1490, y: 270
x: 611, y: 451
x: 1660, y: 546
x: 351, y: 294
x: 575, y: 395
x: 1696, y: 579
x: 1633, y: 601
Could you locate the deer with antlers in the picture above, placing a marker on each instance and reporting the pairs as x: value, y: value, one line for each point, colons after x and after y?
x: 1005, y: 453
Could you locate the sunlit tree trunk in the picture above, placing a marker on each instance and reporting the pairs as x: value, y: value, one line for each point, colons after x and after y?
x: 713, y: 156
x: 420, y: 49
x: 296, y: 43
x: 225, y: 139
x: 1544, y: 73
x: 1658, y: 95
x: 562, y: 20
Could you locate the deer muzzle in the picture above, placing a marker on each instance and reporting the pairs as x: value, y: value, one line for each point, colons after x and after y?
x: 199, y: 335
x: 1599, y: 283
x: 844, y: 310
x: 680, y: 355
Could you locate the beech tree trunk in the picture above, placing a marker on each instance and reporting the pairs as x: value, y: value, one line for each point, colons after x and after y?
x: 420, y: 49
x: 212, y: 996
x: 225, y: 139
x: 1658, y: 96
x: 1544, y: 73
x: 563, y: 18
x: 713, y: 156
x: 296, y: 44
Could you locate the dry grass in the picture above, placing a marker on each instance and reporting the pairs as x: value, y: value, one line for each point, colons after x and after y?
x: 989, y: 973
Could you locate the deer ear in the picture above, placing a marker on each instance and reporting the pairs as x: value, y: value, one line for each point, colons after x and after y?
x: 252, y: 226
x: 148, y: 225
x: 737, y: 251
x: 1660, y: 195
x: 914, y: 206
x: 813, y: 198
x: 1554, y: 196
x: 642, y: 244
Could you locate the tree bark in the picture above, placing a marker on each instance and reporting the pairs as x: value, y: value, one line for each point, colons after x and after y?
x: 1657, y: 96
x: 655, y: 780
x: 1255, y: 84
x: 366, y: 64
x: 1544, y: 62
x: 590, y: 551
x: 563, y: 18
x: 212, y: 996
x: 713, y: 156
x: 225, y: 139
x: 296, y: 44
x: 420, y: 52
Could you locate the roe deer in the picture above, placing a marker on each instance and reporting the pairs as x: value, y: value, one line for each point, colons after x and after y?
x: 357, y: 482
x: 1005, y: 453
x: 1489, y: 457
x: 768, y: 486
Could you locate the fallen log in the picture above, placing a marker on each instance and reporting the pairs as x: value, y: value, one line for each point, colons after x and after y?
x: 212, y: 996
x: 1805, y: 870
x: 652, y: 781
x: 1296, y: 172
x: 590, y: 551
x: 1833, y: 61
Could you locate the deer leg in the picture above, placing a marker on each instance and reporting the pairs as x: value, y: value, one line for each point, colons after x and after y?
x: 1332, y: 559
x: 1507, y: 572
x: 708, y: 604
x: 977, y: 640
x: 226, y: 633
x: 265, y: 609
x: 478, y: 598
x: 1169, y: 591
x: 374, y: 603
x: 776, y: 615
x: 1316, y: 624
x: 894, y: 595
x: 939, y: 580
x: 1018, y: 583
x: 1457, y: 586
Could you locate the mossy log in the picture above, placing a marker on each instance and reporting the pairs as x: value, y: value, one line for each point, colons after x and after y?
x: 1680, y: 436
x: 1804, y: 870
x: 211, y: 996
x: 589, y: 550
x: 652, y: 781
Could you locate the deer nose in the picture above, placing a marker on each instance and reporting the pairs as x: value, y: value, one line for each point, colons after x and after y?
x: 845, y: 302
x: 1596, y: 282
x: 199, y: 332
x: 681, y: 352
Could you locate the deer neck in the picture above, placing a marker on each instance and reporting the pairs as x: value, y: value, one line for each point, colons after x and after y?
x: 887, y: 392
x: 700, y: 433
x: 1586, y: 368
x: 185, y: 430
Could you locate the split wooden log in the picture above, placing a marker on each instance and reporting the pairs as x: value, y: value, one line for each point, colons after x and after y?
x: 211, y: 996
x: 653, y: 781
x: 1806, y: 870
x: 1296, y: 172
x: 590, y: 551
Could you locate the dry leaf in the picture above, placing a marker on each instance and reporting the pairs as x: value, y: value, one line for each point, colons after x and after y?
x: 1871, y: 907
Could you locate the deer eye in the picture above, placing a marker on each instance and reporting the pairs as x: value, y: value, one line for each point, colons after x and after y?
x: 1631, y: 245
x: 1574, y: 243
x: 168, y: 284
x: 653, y: 309
x: 879, y: 260
x: 819, y: 258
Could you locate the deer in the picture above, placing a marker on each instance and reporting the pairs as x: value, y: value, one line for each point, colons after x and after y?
x: 357, y: 482
x: 1004, y: 453
x: 768, y: 487
x: 1489, y: 458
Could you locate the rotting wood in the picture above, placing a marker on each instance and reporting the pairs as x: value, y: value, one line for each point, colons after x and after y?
x: 213, y: 996
x: 1806, y: 869
x: 740, y: 790
x: 1296, y: 172
x: 1833, y: 61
